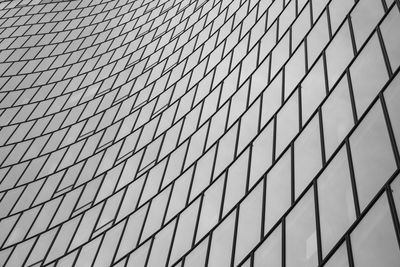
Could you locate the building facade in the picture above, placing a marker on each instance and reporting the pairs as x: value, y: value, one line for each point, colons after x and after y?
x: 199, y: 133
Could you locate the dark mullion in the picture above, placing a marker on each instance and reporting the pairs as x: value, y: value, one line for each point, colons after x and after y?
x: 167, y: 263
x: 208, y: 248
x: 142, y: 227
x: 165, y: 168
x: 349, y: 250
x: 274, y: 156
x: 144, y: 182
x: 189, y: 141
x: 223, y: 195
x: 249, y: 81
x: 306, y: 56
x: 390, y: 129
x: 235, y: 233
x: 208, y: 130
x: 283, y: 229
x: 385, y: 7
x: 30, y: 251
x: 196, y: 228
x: 322, y: 139
x: 292, y: 178
x: 353, y: 40
x: 290, y: 43
x: 300, y: 108
x: 328, y: 15
x: 259, y: 126
x: 325, y: 71
x: 76, y: 230
x: 263, y: 206
x: 352, y: 178
x: 392, y: 206
x: 384, y: 52
x: 282, y: 104
x: 236, y: 152
x: 249, y: 168
x: 317, y: 221
x: 191, y: 184
x: 149, y: 251
x: 214, y: 162
x: 352, y: 99
x: 53, y: 241
x: 168, y: 203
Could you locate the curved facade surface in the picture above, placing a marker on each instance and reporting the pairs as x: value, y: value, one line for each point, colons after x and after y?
x: 199, y: 133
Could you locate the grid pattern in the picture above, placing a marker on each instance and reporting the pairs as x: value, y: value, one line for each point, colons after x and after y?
x: 199, y: 133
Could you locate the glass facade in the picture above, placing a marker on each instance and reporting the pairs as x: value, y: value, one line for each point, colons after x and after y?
x: 200, y: 133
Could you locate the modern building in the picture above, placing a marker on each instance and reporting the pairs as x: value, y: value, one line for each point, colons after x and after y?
x: 199, y: 133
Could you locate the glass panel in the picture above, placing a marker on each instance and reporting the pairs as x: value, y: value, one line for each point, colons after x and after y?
x: 364, y: 17
x: 221, y: 243
x: 249, y: 125
x: 372, y: 155
x: 249, y: 224
x: 313, y: 90
x: 261, y: 154
x: 155, y: 214
x: 337, y: 116
x: 395, y: 186
x: 335, y: 199
x: 130, y: 236
x: 338, y: 10
x: 236, y: 182
x: 368, y: 74
x: 317, y: 38
x: 161, y: 244
x: 392, y: 98
x: 301, y: 237
x: 278, y: 195
x: 270, y: 251
x: 307, y: 156
x: 340, y: 45
x: 271, y: 99
x: 197, y: 257
x: 294, y: 70
x: 287, y: 124
x: 339, y: 259
x: 392, y: 37
x: 374, y: 241
x: 279, y: 55
x: 184, y: 231
x: 139, y: 256
x: 210, y: 208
